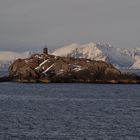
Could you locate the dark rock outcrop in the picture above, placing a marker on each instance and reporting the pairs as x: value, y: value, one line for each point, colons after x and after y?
x: 5, y: 79
x: 49, y: 68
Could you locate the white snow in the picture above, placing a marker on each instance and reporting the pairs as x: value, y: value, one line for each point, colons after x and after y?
x: 75, y: 67
x: 40, y: 65
x: 38, y: 56
x: 26, y: 61
x: 116, y: 57
x: 67, y: 49
x: 10, y: 56
x: 7, y: 57
x: 44, y: 62
x: 80, y: 51
x: 136, y: 65
x: 44, y: 72
x: 61, y: 71
x: 78, y: 68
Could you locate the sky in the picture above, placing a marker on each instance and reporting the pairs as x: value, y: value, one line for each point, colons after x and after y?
x: 30, y: 24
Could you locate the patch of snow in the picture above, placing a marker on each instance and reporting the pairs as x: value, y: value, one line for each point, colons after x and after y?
x: 78, y: 69
x: 37, y: 68
x: 41, y: 65
x: 55, y: 57
x: 88, y: 61
x: 61, y: 71
x: 38, y: 56
x: 43, y: 62
x: 44, y: 72
x: 75, y: 67
x: 26, y: 61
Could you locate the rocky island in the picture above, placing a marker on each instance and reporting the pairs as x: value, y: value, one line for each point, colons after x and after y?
x: 47, y: 68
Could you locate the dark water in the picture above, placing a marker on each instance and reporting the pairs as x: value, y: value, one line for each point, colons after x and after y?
x: 69, y: 112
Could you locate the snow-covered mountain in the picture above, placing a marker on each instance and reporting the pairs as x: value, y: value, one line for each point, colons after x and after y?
x: 81, y: 51
x: 119, y: 57
x: 7, y: 57
x: 136, y: 65
x: 122, y: 58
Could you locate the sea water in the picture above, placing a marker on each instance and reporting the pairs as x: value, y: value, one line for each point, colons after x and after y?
x: 69, y: 112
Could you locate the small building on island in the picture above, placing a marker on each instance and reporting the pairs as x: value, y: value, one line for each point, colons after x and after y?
x: 45, y: 50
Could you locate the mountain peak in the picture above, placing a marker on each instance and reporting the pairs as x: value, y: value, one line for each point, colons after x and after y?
x: 119, y: 57
x: 97, y: 51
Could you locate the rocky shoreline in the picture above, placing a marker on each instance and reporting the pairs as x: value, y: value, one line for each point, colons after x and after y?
x: 45, y: 68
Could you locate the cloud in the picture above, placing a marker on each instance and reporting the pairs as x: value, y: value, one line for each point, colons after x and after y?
x: 32, y: 23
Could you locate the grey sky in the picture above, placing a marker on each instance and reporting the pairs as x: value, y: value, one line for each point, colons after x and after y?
x: 28, y: 24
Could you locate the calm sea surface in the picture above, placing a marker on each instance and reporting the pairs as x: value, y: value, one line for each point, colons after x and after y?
x: 69, y: 112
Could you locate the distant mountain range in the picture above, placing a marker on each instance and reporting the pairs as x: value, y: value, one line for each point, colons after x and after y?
x: 119, y: 57
x: 7, y: 57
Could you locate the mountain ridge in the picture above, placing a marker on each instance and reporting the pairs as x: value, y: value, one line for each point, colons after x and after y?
x: 7, y: 57
x: 119, y: 57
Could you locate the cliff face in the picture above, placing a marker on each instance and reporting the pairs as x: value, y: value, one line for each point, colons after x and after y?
x: 50, y: 68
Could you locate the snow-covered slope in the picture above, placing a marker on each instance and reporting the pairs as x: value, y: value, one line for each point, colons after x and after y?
x: 136, y: 65
x: 10, y: 56
x: 7, y: 57
x: 134, y: 52
x: 103, y: 52
x: 81, y: 51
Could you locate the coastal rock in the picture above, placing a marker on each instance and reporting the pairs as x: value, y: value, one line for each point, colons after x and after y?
x: 5, y: 79
x: 49, y: 68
